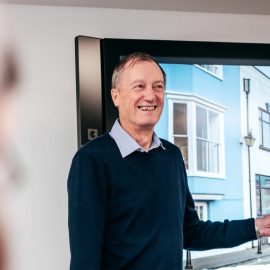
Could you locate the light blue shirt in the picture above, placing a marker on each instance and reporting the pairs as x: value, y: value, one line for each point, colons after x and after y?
x: 127, y: 144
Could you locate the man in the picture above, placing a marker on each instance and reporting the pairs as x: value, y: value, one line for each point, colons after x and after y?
x: 129, y: 203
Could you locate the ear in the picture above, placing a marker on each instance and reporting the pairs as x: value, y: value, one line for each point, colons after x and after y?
x: 115, y: 97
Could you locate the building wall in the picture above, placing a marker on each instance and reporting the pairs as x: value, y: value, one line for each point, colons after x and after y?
x: 224, y: 92
x: 259, y: 159
x: 47, y: 137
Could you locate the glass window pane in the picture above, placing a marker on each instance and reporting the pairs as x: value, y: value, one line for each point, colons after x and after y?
x: 180, y: 119
x: 201, y: 155
x: 207, y: 140
x: 261, y: 131
x: 201, y: 122
x: 201, y: 208
x: 213, y: 127
x: 265, y: 116
x: 265, y: 193
x: 265, y: 181
x: 213, y: 157
x: 258, y: 183
x: 182, y: 143
x: 215, y: 69
x: 266, y: 135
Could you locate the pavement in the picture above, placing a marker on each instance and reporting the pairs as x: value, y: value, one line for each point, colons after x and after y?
x: 229, y: 259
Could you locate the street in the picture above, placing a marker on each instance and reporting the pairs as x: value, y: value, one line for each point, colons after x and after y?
x: 260, y: 263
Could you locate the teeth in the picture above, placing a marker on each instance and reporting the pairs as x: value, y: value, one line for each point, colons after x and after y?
x: 147, y: 108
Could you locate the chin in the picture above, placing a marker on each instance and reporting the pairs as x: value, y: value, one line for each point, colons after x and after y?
x: 148, y: 124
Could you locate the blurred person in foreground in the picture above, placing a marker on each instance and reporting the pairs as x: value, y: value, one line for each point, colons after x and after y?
x: 130, y: 207
x: 8, y: 168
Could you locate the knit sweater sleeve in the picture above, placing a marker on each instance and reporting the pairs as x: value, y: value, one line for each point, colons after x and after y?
x: 87, y: 201
x: 203, y: 235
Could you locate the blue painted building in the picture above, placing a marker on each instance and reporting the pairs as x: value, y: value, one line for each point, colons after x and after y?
x: 202, y: 116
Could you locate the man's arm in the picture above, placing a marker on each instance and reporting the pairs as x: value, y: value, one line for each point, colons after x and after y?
x: 203, y: 235
x: 200, y: 235
x: 87, y: 201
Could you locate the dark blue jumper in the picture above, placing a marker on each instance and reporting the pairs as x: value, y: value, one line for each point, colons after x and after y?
x: 136, y: 213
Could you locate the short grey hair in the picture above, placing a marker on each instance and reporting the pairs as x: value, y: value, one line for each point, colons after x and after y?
x: 132, y: 59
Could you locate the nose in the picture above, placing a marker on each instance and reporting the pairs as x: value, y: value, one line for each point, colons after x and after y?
x: 149, y: 94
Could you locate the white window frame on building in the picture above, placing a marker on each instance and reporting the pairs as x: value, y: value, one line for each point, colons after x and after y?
x: 214, y: 70
x: 202, y: 210
x: 188, y: 141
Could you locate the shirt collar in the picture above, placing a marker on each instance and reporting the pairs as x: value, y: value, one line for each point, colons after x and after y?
x: 127, y: 144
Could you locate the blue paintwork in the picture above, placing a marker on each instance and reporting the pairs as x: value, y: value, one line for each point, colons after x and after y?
x: 226, y: 92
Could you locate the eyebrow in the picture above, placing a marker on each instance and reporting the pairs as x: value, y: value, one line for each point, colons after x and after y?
x: 143, y: 81
x: 137, y: 81
x: 160, y: 81
x: 134, y: 83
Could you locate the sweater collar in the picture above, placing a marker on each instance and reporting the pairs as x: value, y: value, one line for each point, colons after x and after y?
x: 127, y: 144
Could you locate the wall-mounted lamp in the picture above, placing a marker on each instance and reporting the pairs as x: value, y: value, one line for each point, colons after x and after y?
x: 249, y: 139
x: 246, y: 83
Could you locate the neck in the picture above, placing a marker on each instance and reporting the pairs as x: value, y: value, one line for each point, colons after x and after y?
x: 143, y: 136
x: 144, y: 139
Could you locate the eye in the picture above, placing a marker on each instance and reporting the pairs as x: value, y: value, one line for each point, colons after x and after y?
x: 159, y: 87
x: 138, y: 86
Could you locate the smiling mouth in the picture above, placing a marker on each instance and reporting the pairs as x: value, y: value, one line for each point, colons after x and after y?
x: 147, y: 108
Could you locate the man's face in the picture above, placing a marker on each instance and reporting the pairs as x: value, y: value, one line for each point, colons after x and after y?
x: 139, y: 96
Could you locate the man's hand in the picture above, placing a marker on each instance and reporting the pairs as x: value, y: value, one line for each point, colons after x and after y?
x: 263, y: 225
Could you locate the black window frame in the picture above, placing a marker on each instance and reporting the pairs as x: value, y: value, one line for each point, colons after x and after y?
x: 166, y: 51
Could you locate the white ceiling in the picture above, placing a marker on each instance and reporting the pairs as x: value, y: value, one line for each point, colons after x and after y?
x: 261, y: 7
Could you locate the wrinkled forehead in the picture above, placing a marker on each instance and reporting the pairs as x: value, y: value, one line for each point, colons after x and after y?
x: 135, y: 63
x: 131, y: 63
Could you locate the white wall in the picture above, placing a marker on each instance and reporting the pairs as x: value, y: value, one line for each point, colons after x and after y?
x: 47, y: 137
x: 259, y: 159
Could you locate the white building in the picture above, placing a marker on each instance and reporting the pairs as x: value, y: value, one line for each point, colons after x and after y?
x: 259, y: 124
